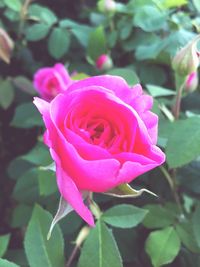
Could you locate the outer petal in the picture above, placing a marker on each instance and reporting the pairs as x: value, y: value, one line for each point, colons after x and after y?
x: 70, y: 192
x: 60, y: 68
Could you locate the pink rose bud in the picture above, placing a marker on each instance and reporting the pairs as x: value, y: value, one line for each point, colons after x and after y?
x: 51, y: 81
x: 186, y: 60
x: 191, y: 82
x: 101, y: 134
x: 104, y: 62
x: 6, y: 46
x: 107, y: 6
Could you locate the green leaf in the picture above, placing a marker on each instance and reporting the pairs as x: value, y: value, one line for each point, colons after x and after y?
x: 4, y: 241
x: 26, y: 188
x: 97, y: 44
x: 15, y: 5
x: 129, y: 75
x: 182, y: 145
x: 17, y: 168
x: 187, y: 236
x: 100, y: 249
x: 47, y: 182
x: 149, y: 18
x: 124, y: 216
x: 21, y: 215
x: 42, y: 14
x: 163, y: 217
x: 196, y: 3
x: 157, y: 91
x: 162, y: 246
x: 26, y: 116
x: 39, y: 155
x: 195, y: 224
x: 5, y: 263
x: 37, y: 32
x: 39, y: 251
x: 172, y: 3
x: 24, y: 84
x: 58, y: 43
x: 6, y: 93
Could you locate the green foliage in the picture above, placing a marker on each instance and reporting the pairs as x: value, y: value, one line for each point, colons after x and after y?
x: 141, y: 37
x: 162, y: 246
x: 39, y: 251
x: 124, y: 216
x: 100, y: 249
x: 4, y: 240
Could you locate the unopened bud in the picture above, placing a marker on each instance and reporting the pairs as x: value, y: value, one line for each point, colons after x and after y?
x: 107, y: 6
x: 104, y: 62
x: 186, y: 60
x: 191, y: 82
x: 6, y: 46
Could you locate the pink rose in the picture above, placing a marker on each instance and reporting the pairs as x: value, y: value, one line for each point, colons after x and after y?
x: 51, y: 81
x: 101, y: 134
x: 191, y: 82
x: 104, y: 62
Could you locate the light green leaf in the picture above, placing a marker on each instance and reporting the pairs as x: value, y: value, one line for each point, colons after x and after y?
x: 5, y: 263
x: 157, y: 91
x: 4, y: 241
x: 15, y: 5
x: 100, y: 249
x: 196, y: 3
x: 125, y: 191
x: 42, y: 14
x: 157, y: 217
x: 58, y: 43
x: 182, y: 145
x: 26, y: 116
x: 162, y: 246
x: 172, y: 3
x: 124, y: 216
x: 97, y: 43
x: 149, y: 18
x: 37, y: 31
x: 6, y: 93
x: 39, y: 251
x: 129, y: 75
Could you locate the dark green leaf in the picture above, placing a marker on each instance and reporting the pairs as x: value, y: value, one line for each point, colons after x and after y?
x: 47, y: 182
x: 182, y: 145
x: 39, y: 251
x: 42, y: 14
x: 6, y: 93
x: 124, y: 216
x: 97, y: 43
x: 195, y: 221
x: 24, y: 84
x: 58, y: 43
x: 157, y: 217
x: 26, y: 116
x: 100, y: 249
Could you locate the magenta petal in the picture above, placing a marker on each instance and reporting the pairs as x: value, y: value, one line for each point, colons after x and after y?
x: 70, y: 192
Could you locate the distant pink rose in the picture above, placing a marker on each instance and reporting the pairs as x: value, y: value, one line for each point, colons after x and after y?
x: 51, y: 81
x: 104, y: 62
x: 101, y: 133
x: 191, y: 82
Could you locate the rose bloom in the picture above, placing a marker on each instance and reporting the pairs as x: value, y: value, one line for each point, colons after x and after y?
x: 101, y: 133
x: 191, y: 82
x: 51, y: 81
